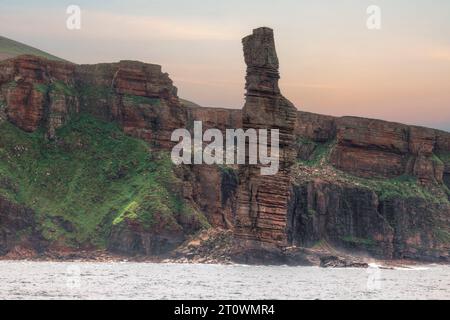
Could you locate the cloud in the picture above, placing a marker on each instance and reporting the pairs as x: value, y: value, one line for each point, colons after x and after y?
x: 138, y: 27
x: 111, y: 26
x: 440, y: 54
x: 310, y: 85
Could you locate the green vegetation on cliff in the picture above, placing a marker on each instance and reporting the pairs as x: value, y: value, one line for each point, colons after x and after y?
x: 359, y: 242
x: 91, y: 177
x: 316, y: 164
x: 402, y: 187
x: 56, y: 87
x: 320, y: 152
x: 95, y: 92
x: 141, y: 100
x: 444, y: 157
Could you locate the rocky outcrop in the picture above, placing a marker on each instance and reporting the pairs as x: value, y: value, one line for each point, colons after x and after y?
x: 132, y: 238
x: 374, y: 148
x: 18, y: 227
x: 387, y: 219
x: 345, y: 216
x: 263, y: 200
x: 316, y: 127
x: 212, y: 246
x: 139, y: 96
x: 338, y: 262
x: 214, y: 190
x: 46, y: 93
x: 215, y: 118
x: 421, y: 228
x: 36, y: 92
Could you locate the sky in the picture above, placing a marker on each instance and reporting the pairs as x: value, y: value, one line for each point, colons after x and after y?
x: 330, y: 62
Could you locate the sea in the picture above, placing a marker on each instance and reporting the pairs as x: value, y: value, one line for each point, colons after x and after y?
x: 130, y: 280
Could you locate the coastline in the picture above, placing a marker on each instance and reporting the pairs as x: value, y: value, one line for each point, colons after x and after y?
x: 102, y: 256
x: 215, y: 246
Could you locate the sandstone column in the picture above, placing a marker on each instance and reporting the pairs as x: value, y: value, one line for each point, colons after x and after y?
x: 263, y: 200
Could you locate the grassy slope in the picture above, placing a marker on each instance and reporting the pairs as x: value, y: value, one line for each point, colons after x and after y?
x: 10, y: 49
x: 94, y: 176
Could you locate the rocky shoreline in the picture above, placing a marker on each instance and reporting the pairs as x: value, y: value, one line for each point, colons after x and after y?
x: 214, y: 246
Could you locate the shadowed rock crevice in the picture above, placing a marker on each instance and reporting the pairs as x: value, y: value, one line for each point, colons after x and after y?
x: 18, y: 227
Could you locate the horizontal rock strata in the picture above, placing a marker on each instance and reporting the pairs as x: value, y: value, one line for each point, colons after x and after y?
x: 335, y: 197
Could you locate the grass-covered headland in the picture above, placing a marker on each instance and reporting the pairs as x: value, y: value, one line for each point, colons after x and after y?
x: 90, y: 178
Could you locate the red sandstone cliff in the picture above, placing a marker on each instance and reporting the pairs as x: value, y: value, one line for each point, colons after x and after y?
x: 339, y: 199
x: 263, y: 200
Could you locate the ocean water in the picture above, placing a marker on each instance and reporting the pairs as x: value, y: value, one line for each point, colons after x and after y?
x: 127, y: 280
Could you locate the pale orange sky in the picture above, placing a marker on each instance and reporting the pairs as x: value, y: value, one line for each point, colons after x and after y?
x: 330, y: 62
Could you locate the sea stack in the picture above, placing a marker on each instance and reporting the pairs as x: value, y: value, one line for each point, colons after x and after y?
x: 263, y: 200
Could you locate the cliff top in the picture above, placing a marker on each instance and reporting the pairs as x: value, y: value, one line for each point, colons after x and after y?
x: 10, y: 49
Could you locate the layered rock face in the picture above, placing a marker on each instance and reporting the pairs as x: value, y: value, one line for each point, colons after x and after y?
x: 139, y: 96
x: 354, y: 183
x: 214, y: 188
x: 356, y: 218
x: 316, y: 127
x: 215, y: 118
x: 356, y: 196
x: 377, y: 148
x: 133, y: 238
x: 421, y: 228
x: 263, y: 200
x: 344, y: 215
x: 36, y: 92
x: 39, y: 94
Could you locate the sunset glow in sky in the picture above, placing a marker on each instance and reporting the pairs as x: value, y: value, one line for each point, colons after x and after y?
x: 331, y: 63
